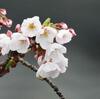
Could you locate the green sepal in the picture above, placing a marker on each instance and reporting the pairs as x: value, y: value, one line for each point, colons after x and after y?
x: 9, y: 64
x: 51, y: 24
x: 47, y: 22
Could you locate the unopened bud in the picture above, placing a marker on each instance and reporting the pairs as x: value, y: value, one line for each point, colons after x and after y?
x: 9, y: 33
x: 18, y: 28
x: 61, y: 25
x: 3, y: 11
x: 72, y: 31
x: 9, y: 23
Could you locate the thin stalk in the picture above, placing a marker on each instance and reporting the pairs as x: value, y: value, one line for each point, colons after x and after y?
x: 33, y: 68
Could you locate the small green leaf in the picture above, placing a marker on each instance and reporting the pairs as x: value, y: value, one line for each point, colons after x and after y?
x: 9, y: 64
x: 51, y: 25
x: 47, y: 22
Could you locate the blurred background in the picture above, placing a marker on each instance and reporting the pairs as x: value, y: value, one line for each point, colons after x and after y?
x: 82, y: 79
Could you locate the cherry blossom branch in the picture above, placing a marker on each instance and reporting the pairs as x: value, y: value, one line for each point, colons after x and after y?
x: 33, y: 68
x: 27, y: 64
x: 55, y: 88
x: 46, y: 40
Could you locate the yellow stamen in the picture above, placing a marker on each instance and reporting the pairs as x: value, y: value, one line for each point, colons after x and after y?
x: 45, y: 33
x: 31, y: 26
x: 22, y: 42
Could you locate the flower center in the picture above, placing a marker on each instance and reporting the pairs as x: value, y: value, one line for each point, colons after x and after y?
x: 22, y: 42
x: 31, y: 26
x: 45, y: 33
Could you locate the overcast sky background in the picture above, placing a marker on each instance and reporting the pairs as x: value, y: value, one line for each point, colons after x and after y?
x: 82, y: 79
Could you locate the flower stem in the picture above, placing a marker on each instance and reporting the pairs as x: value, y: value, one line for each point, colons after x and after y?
x: 33, y: 68
x: 55, y: 88
x: 27, y: 64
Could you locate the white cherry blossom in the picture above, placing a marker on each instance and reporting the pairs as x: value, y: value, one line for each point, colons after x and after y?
x: 46, y: 37
x: 59, y: 59
x: 55, y: 47
x: 4, y: 44
x: 19, y: 43
x: 31, y: 26
x: 64, y: 36
x: 55, y: 54
x: 47, y: 70
x: 53, y: 63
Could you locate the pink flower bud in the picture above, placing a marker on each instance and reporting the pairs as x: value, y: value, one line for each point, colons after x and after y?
x: 8, y: 22
x: 72, y: 31
x: 3, y: 11
x: 2, y: 22
x: 61, y: 25
x: 9, y: 33
x: 18, y: 28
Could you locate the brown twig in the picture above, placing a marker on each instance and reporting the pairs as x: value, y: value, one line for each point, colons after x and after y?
x: 33, y: 68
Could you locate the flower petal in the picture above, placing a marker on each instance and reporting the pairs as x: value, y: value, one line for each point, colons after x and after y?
x: 31, y: 26
x: 19, y: 43
x: 64, y: 36
x: 48, y: 70
x: 56, y: 47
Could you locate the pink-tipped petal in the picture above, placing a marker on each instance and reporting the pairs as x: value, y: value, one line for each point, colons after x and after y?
x: 61, y: 25
x: 9, y: 23
x: 18, y: 28
x: 9, y: 33
x: 72, y: 31
x: 3, y: 11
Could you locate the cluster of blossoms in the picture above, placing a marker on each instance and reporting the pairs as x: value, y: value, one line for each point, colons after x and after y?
x: 46, y: 40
